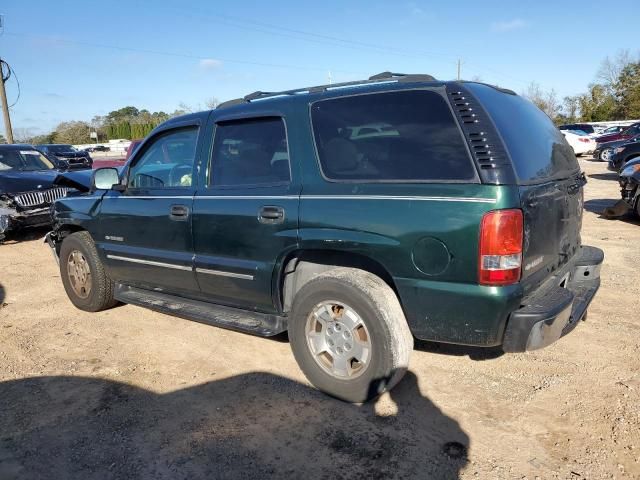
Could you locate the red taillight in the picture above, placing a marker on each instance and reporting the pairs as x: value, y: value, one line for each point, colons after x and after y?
x: 585, y: 140
x: 500, y: 254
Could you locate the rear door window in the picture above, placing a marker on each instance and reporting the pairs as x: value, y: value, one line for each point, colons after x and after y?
x: 408, y: 136
x: 537, y: 149
x: 250, y: 152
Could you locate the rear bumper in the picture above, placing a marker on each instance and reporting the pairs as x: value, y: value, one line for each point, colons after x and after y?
x: 552, y: 312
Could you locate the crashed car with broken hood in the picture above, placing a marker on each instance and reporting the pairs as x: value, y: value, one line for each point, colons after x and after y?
x: 28, y: 187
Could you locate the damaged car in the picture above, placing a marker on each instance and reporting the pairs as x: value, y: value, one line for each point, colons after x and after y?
x: 27, y: 188
x: 630, y: 185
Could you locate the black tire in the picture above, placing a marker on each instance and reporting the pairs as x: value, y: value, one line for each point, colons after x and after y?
x: 377, y: 305
x: 100, y: 294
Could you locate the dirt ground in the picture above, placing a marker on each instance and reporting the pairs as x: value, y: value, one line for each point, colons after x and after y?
x: 129, y: 393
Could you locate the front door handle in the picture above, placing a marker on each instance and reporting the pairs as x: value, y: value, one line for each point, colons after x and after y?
x: 179, y: 213
x: 270, y: 214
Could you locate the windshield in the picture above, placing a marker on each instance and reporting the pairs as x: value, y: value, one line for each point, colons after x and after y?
x: 61, y: 148
x: 24, y: 160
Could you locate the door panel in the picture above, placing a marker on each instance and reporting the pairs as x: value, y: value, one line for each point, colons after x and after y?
x: 145, y: 236
x: 236, y: 253
x: 247, y: 220
x: 142, y: 245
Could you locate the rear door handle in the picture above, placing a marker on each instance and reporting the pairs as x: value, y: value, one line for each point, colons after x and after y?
x: 270, y: 214
x: 179, y: 213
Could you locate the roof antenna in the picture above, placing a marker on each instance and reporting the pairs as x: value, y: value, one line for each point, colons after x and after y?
x: 329, y: 78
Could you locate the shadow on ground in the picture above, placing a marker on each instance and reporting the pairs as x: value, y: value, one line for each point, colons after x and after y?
x: 599, y: 204
x: 256, y: 425
x: 474, y: 353
x: 604, y: 176
x: 28, y: 234
x: 3, y: 295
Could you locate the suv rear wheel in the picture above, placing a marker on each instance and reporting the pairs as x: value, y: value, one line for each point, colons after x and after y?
x: 349, y: 334
x: 83, y: 276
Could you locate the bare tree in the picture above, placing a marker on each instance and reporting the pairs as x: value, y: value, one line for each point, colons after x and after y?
x: 212, y: 103
x: 24, y: 135
x: 611, y: 68
x: 547, y: 101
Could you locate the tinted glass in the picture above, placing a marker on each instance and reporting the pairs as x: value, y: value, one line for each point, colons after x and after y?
x: 537, y: 148
x: 167, y: 162
x: 61, y: 148
x: 406, y: 135
x: 250, y: 152
x: 23, y: 160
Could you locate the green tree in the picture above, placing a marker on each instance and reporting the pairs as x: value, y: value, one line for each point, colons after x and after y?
x: 627, y: 92
x: 2, y: 139
x: 597, y: 105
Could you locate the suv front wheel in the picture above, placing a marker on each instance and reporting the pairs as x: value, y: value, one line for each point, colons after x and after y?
x: 87, y: 284
x: 349, y: 335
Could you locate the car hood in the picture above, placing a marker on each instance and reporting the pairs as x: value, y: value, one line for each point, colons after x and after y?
x: 612, y: 143
x: 79, y: 179
x: 609, y: 138
x: 21, y: 181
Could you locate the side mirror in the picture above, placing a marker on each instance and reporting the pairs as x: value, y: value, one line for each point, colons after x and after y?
x: 105, y: 178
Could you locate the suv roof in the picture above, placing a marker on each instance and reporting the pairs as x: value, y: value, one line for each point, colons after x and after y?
x: 375, y: 82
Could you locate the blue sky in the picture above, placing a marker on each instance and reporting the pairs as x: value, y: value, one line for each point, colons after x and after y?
x: 77, y: 59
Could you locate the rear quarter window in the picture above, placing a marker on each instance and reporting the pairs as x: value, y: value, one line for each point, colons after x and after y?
x: 537, y: 149
x: 407, y: 136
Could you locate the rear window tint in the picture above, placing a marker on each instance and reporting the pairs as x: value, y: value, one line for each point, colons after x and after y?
x: 537, y: 148
x: 391, y: 136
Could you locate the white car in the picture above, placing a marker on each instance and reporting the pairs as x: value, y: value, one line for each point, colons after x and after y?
x: 579, y: 141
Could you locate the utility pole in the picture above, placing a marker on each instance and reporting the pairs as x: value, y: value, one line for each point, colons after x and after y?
x: 3, y: 93
x: 459, y: 65
x: 5, y: 106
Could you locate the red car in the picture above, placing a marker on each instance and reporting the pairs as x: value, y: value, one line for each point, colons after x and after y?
x: 631, y: 131
x: 132, y: 147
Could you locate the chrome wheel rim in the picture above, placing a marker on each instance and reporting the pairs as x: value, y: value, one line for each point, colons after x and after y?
x: 338, y: 340
x: 606, y: 154
x: 79, y: 274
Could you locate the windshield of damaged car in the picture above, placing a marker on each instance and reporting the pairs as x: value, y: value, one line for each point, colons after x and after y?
x: 24, y: 160
x: 61, y: 148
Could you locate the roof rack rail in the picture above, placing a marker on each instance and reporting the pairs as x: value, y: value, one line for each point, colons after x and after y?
x: 378, y: 78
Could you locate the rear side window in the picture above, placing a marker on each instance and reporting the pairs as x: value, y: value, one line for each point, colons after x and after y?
x: 537, y: 148
x: 250, y: 152
x: 393, y: 136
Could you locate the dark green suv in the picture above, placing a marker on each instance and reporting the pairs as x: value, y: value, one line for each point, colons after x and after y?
x: 354, y: 216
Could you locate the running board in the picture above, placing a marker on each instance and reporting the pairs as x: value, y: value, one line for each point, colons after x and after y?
x: 261, y: 324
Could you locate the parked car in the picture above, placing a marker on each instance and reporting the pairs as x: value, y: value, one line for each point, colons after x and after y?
x: 463, y: 228
x: 585, y: 127
x: 613, y: 130
x: 630, y: 131
x: 579, y: 141
x: 604, y: 151
x: 27, y: 188
x: 98, y: 148
x: 66, y: 156
x: 630, y: 185
x: 622, y: 154
x: 132, y: 148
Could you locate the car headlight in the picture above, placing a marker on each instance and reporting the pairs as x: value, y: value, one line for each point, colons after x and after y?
x: 4, y: 223
x: 630, y: 170
x: 619, y: 149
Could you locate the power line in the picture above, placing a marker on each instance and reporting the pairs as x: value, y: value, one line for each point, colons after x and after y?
x: 178, y: 54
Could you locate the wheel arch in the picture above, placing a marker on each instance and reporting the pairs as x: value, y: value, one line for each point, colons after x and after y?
x: 301, y: 266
